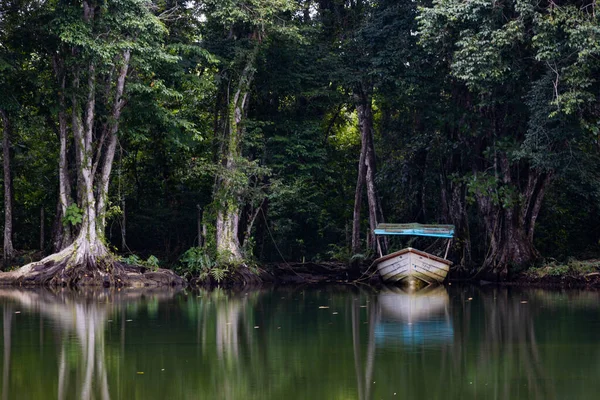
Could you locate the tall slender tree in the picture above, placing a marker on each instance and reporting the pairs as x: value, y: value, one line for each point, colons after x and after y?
x: 9, y: 57
x: 8, y: 249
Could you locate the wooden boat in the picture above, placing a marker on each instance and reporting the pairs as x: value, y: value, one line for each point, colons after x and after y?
x: 411, y: 266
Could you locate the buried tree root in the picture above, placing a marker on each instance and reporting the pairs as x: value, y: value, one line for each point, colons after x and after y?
x: 75, y: 267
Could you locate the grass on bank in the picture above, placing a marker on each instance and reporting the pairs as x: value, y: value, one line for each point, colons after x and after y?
x: 571, y: 268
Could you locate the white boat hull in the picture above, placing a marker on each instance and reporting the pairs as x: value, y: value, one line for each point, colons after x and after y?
x: 406, y: 265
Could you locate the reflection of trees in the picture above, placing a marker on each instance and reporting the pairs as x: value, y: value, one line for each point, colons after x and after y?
x: 510, y: 342
x: 230, y: 315
x: 205, y: 345
x: 495, y: 351
x: 86, y: 320
x: 228, y: 320
x: 7, y: 330
x: 197, y: 345
x: 364, y: 373
x: 83, y: 315
x: 297, y: 350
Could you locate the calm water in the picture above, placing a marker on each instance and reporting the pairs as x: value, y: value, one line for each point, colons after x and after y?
x: 329, y: 343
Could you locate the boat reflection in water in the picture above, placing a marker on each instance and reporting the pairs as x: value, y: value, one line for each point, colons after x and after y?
x: 414, y: 317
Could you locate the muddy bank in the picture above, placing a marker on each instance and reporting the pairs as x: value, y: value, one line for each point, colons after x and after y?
x: 127, y: 276
x: 583, y: 274
x: 553, y: 282
x: 321, y: 273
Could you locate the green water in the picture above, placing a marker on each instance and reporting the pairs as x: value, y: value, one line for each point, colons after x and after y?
x: 327, y: 343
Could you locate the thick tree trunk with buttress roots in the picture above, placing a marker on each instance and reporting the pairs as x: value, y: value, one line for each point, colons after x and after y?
x: 87, y: 260
x: 510, y: 230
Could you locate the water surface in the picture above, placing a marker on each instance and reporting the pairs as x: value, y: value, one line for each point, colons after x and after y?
x: 327, y: 343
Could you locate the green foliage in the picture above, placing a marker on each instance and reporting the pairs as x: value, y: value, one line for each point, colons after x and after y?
x: 342, y: 253
x: 73, y: 215
x: 573, y: 268
x: 567, y: 40
x: 196, y: 262
x: 152, y: 262
x: 261, y: 16
x: 488, y: 186
x: 132, y: 259
x: 113, y: 212
x: 470, y: 98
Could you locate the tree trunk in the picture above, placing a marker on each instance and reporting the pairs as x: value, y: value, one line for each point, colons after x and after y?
x: 123, y: 226
x: 64, y: 236
x: 199, y: 218
x: 509, y: 246
x: 365, y: 122
x: 58, y: 229
x: 454, y: 211
x: 510, y: 229
x: 358, y: 194
x: 227, y: 197
x: 87, y: 260
x: 228, y: 242
x: 42, y: 229
x: 64, y: 183
x: 112, y: 129
x: 8, y: 193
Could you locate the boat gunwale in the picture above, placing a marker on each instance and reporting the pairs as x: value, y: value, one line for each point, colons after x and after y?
x: 414, y: 251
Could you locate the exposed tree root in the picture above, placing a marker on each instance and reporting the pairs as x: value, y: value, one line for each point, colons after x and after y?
x: 244, y: 276
x: 78, y: 265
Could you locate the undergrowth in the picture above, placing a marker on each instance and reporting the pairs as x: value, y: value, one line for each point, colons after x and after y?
x: 151, y: 262
x: 199, y: 263
x: 572, y: 268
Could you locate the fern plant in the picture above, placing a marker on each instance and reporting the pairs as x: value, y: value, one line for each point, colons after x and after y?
x: 219, y: 273
x: 132, y: 259
x: 152, y: 262
x: 196, y: 262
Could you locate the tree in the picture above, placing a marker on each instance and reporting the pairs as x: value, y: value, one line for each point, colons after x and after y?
x: 354, y: 29
x: 93, y: 45
x: 239, y: 31
x: 495, y: 56
x: 8, y: 187
x: 10, y: 59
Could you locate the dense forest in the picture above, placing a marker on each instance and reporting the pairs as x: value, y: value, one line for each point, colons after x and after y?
x: 217, y: 134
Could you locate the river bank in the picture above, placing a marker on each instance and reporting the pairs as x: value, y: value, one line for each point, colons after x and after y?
x: 551, y: 274
x: 554, y: 274
x: 548, y: 274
